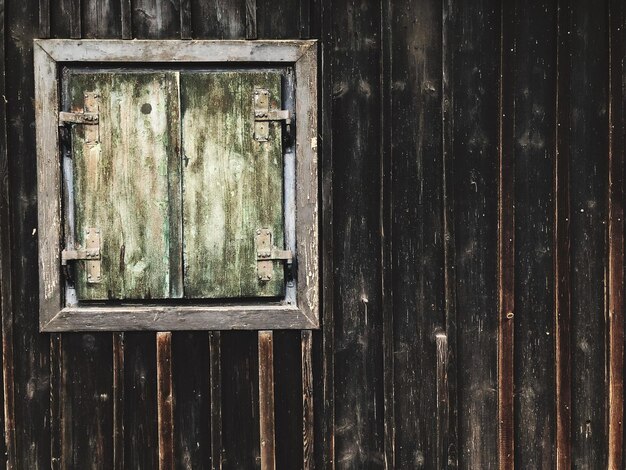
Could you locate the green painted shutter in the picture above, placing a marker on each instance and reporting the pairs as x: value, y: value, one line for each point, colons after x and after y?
x: 232, y: 184
x: 127, y: 183
x: 157, y: 242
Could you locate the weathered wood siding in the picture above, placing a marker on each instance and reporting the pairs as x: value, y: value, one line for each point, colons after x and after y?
x: 471, y: 162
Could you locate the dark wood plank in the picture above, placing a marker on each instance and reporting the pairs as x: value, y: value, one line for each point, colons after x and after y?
x: 534, y: 72
x: 156, y: 19
x: 31, y: 364
x: 185, y: 19
x: 215, y: 381
x: 240, y: 400
x: 140, y: 401
x: 191, y: 364
x: 251, y: 19
x: 308, y: 411
x: 165, y: 400
x: 448, y: 52
x: 562, y: 311
x: 219, y: 19
x: 475, y: 169
x: 65, y: 19
x: 56, y: 402
x: 589, y: 146
x: 417, y: 237
x: 118, y: 401
x: 101, y: 19
x: 506, y: 240
x: 267, y: 13
x: 288, y: 392
x: 266, y: 400
x: 44, y: 18
x: 616, y: 236
x: 126, y: 19
x: 86, y: 401
x: 6, y: 297
x: 359, y: 427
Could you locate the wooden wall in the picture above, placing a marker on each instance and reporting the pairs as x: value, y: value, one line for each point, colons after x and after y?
x: 472, y: 249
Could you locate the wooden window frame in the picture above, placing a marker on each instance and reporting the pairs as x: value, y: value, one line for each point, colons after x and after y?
x: 54, y: 316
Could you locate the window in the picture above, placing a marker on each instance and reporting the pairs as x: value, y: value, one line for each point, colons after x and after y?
x: 177, y: 184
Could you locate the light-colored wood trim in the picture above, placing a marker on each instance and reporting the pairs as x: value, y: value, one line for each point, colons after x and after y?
x: 302, y: 55
x: 172, y: 318
x: 48, y: 184
x: 172, y: 51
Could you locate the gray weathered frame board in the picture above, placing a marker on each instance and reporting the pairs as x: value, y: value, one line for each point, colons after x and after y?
x: 54, y: 316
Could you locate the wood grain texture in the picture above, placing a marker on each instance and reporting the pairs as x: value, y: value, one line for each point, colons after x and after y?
x: 218, y: 19
x: 244, y: 190
x: 101, y: 18
x: 417, y: 235
x: 562, y: 286
x: 475, y: 163
x: 308, y: 411
x: 118, y: 400
x: 127, y: 184
x: 215, y: 382
x: 267, y: 426
x: 359, y: 429
x: 534, y: 69
x: 31, y: 364
x: 506, y: 241
x: 616, y: 237
x: 588, y: 150
x: 165, y: 400
x: 6, y: 295
x: 156, y: 19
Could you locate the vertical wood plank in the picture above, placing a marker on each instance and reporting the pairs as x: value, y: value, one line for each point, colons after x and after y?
x: 417, y: 235
x: 56, y: 402
x: 44, y: 18
x: 6, y: 297
x: 308, y: 415
x: 215, y: 381
x: 240, y: 400
x: 358, y: 356
x: 126, y: 19
x: 156, y: 19
x: 589, y: 146
x: 267, y: 13
x: 65, y: 19
x: 118, y: 401
x: 506, y: 241
x: 101, y: 19
x: 562, y: 312
x: 266, y: 400
x: 219, y: 19
x: 448, y: 50
x: 534, y: 69
x: 31, y: 364
x: 475, y: 162
x: 165, y: 400
x: 191, y: 363
x: 185, y: 19
x: 616, y: 236
x: 251, y: 18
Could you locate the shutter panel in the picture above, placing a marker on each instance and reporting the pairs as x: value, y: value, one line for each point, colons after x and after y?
x: 232, y: 184
x: 127, y: 183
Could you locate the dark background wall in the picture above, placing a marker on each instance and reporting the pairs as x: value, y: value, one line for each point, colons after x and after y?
x: 472, y: 250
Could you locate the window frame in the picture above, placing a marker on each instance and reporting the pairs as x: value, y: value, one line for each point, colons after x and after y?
x: 54, y: 316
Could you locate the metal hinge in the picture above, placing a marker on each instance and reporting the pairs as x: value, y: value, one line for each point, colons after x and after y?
x: 90, y: 253
x: 89, y: 117
x: 263, y: 114
x: 267, y: 253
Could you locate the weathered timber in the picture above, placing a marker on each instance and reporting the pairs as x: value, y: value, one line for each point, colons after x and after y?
x: 232, y: 184
x: 506, y: 240
x: 165, y: 400
x: 588, y: 186
x: 534, y: 69
x: 127, y: 184
x: 267, y: 429
x: 475, y: 162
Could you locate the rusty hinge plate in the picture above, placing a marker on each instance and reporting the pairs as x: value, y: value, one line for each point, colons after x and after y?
x: 89, y: 253
x: 267, y: 253
x: 263, y: 114
x: 89, y: 117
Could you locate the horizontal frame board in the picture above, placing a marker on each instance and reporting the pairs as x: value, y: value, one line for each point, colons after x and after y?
x: 49, y: 56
